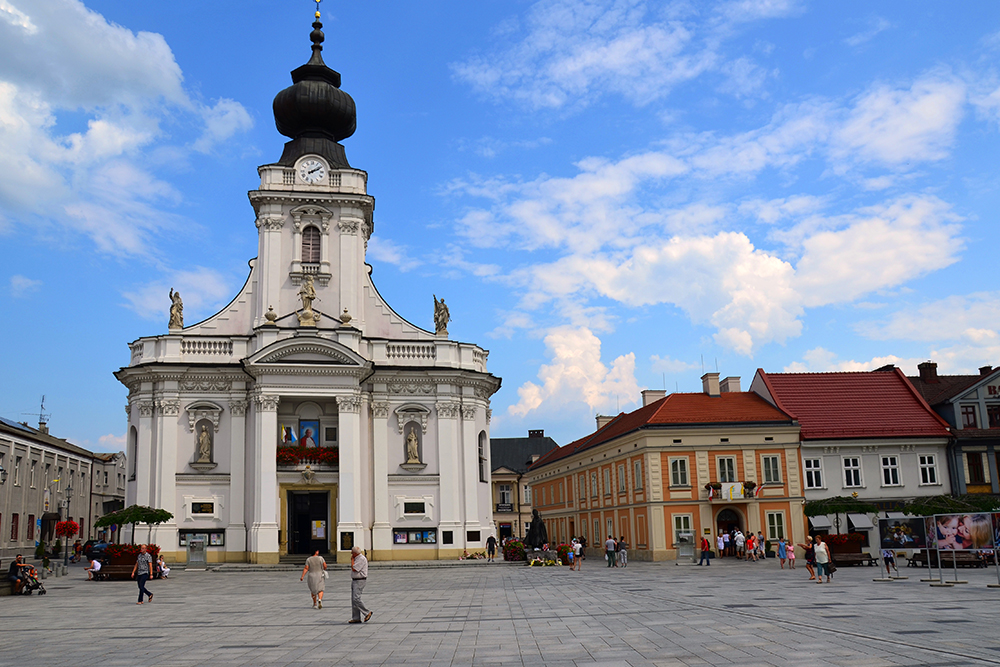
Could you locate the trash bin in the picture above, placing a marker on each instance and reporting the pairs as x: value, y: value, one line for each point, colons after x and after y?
x: 197, y: 557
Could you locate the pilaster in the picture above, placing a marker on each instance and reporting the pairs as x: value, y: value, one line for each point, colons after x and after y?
x: 382, y: 528
x: 236, y: 533
x: 349, y: 510
x: 263, y: 545
x: 450, y: 464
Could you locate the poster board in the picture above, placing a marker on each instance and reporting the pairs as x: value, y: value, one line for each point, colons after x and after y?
x: 970, y: 531
x: 908, y: 533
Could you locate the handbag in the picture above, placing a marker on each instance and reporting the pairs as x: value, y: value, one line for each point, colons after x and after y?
x: 831, y: 568
x: 324, y: 574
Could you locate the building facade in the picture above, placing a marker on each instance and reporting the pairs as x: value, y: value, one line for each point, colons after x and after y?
x: 308, y: 414
x: 45, y: 479
x: 971, y: 406
x: 511, y: 458
x: 107, y: 493
x: 651, y: 475
x: 869, y: 433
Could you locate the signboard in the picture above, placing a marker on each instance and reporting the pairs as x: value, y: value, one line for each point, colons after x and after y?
x: 319, y: 530
x: 202, y: 508
x: 505, y: 507
x: 906, y: 533
x: 960, y: 532
x: 46, y: 500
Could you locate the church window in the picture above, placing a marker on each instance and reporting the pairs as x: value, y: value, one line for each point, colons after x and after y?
x: 484, y: 472
x: 310, y: 245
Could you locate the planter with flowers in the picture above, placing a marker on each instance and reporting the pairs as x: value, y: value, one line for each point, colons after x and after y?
x: 847, y: 543
x: 300, y: 456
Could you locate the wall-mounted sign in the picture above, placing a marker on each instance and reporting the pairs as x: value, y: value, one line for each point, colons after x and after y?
x: 202, y: 508
x: 319, y: 530
x: 505, y: 507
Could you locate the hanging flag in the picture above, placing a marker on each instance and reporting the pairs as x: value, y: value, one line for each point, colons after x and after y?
x: 731, y: 491
x: 711, y: 492
x: 756, y: 494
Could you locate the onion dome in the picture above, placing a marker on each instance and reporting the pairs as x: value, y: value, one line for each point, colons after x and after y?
x: 314, y: 112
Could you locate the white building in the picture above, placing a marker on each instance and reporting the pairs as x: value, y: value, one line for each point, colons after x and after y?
x: 394, y: 419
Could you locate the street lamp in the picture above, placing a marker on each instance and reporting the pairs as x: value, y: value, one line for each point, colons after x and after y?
x: 69, y: 494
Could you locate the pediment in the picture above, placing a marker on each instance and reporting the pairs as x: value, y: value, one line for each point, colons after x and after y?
x: 306, y: 352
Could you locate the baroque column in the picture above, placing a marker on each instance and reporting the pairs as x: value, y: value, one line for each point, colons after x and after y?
x: 349, y: 507
x: 264, y: 515
x: 450, y: 465
x: 470, y: 449
x: 168, y: 409
x: 382, y: 528
x: 236, y: 532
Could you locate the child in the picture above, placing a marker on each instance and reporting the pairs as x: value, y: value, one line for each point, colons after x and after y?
x: 947, y: 532
x: 791, y: 555
x: 889, y: 558
x: 782, y: 551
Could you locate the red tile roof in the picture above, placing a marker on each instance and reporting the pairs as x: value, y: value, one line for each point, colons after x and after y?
x: 677, y: 410
x: 854, y: 405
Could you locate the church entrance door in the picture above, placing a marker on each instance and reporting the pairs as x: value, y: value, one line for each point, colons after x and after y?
x: 308, y: 523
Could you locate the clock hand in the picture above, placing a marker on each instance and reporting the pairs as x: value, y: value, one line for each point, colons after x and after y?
x: 313, y: 171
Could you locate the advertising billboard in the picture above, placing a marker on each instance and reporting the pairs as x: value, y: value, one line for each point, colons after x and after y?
x: 905, y: 533
x: 960, y: 532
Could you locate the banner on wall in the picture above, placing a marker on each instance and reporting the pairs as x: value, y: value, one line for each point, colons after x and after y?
x: 908, y: 533
x: 960, y: 532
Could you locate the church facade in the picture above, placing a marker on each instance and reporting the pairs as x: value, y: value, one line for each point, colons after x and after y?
x: 307, y: 414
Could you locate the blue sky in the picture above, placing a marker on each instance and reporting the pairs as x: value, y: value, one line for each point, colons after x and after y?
x: 610, y: 195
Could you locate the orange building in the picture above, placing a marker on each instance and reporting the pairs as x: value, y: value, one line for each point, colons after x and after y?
x: 681, y: 466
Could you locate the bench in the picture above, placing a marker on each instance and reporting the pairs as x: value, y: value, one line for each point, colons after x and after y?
x: 841, y: 560
x: 117, y: 572
x: 948, y: 559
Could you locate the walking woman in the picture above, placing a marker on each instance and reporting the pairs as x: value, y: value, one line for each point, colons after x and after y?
x: 142, y: 572
x: 810, y: 558
x: 822, y: 560
x: 316, y: 570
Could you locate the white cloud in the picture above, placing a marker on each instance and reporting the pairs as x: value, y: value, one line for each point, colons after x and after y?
x: 388, y: 251
x: 894, y: 126
x: 111, y: 443
x: 821, y: 360
x: 21, y: 286
x: 952, y: 318
x: 876, y: 25
x: 577, y: 375
x: 222, y: 121
x: 202, y: 290
x: 881, y: 246
x: 121, y: 85
x: 666, y: 364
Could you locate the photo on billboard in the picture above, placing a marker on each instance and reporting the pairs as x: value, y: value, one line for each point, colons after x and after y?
x: 902, y: 533
x: 960, y: 532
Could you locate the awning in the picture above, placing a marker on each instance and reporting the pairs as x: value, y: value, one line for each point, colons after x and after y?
x: 895, y: 515
x: 860, y: 521
x: 821, y: 521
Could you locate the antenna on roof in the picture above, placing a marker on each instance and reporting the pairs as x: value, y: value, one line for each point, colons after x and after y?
x: 664, y: 377
x: 43, y: 417
x: 716, y: 364
x: 703, y: 364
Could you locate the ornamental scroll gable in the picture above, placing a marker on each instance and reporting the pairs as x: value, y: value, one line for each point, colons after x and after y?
x: 412, y: 412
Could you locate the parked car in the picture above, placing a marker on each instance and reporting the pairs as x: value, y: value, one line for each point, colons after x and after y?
x: 92, y: 548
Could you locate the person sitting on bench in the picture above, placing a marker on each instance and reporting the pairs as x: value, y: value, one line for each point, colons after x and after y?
x: 16, y: 575
x: 95, y: 567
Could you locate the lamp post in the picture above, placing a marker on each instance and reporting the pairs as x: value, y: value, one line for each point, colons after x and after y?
x: 69, y: 494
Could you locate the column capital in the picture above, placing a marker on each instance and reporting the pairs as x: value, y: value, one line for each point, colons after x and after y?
x: 267, y: 402
x: 448, y: 410
x: 380, y: 410
x: 349, y: 403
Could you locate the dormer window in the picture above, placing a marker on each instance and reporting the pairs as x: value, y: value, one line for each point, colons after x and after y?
x: 310, y: 245
x: 969, y: 416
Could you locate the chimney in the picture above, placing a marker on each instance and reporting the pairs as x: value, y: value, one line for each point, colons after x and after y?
x: 652, y: 396
x: 731, y: 385
x: 710, y: 384
x: 602, y: 420
x: 537, y: 433
x: 43, y: 427
x: 985, y: 370
x: 928, y: 372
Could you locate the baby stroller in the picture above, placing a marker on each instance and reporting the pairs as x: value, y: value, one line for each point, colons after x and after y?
x: 31, y: 582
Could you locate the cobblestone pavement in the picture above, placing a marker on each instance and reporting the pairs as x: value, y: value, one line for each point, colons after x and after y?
x: 499, y: 614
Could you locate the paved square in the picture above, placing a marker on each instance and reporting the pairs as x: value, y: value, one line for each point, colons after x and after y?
x: 480, y: 614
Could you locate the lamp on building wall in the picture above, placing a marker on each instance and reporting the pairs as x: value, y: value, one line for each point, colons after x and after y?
x: 3, y: 475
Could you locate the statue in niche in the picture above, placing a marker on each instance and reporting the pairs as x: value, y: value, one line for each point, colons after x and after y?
x: 441, y: 317
x: 412, y: 447
x: 176, y: 310
x: 537, y: 535
x: 204, y: 445
x: 307, y: 293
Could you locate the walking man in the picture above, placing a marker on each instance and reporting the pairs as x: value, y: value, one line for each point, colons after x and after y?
x: 609, y: 549
x: 491, y: 549
x: 705, y: 548
x: 359, y: 577
x: 142, y: 571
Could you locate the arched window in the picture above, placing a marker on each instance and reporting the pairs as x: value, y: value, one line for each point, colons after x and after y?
x: 133, y: 452
x: 310, y: 245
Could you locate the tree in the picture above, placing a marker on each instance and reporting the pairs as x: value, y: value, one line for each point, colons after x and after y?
x: 135, y: 514
x: 932, y: 505
x: 838, y: 505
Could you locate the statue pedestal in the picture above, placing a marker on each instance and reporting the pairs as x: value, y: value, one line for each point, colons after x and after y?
x: 413, y: 467
x: 204, y: 466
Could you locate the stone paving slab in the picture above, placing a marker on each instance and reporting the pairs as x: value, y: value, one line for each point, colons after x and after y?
x: 649, y: 614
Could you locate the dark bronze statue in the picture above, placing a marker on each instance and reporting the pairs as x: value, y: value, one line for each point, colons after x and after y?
x: 537, y: 534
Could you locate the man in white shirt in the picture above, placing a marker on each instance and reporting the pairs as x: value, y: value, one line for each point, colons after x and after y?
x: 95, y: 567
x: 359, y: 577
x: 741, y: 541
x: 609, y: 548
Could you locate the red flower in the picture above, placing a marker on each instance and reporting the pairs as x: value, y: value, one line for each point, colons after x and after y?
x: 67, y: 528
x: 289, y: 456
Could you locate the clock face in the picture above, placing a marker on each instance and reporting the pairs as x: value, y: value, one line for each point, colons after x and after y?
x: 312, y: 171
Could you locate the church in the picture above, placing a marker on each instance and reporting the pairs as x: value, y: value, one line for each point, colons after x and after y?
x: 307, y: 414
